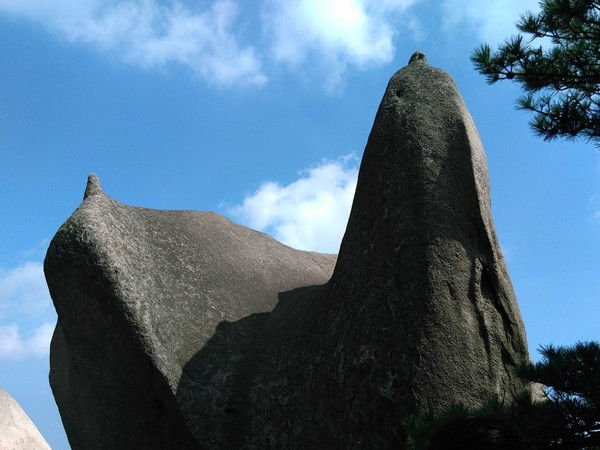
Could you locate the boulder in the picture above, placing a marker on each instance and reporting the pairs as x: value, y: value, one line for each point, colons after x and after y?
x: 139, y: 293
x: 17, y: 431
x: 180, y: 329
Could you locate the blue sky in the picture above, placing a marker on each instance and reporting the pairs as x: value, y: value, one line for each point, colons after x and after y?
x: 259, y: 110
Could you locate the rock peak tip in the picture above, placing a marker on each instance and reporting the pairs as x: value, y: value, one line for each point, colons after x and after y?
x: 418, y: 56
x: 93, y: 186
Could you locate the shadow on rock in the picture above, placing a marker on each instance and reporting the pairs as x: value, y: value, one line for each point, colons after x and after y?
x: 221, y: 390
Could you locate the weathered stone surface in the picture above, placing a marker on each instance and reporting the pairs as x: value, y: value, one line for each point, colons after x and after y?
x: 139, y: 293
x: 182, y: 330
x: 17, y: 431
x: 420, y: 312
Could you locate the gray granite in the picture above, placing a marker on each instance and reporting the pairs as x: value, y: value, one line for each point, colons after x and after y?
x: 180, y: 329
x: 139, y: 293
x: 420, y: 312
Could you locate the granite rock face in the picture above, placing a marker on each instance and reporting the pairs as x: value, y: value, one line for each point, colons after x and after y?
x: 17, y: 431
x: 420, y: 312
x: 139, y: 293
x: 180, y: 329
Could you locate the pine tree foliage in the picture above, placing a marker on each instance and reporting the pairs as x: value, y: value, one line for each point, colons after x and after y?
x: 567, y: 419
x: 571, y: 376
x: 490, y: 427
x: 561, y: 76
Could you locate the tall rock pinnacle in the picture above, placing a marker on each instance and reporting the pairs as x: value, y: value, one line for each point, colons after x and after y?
x: 420, y: 312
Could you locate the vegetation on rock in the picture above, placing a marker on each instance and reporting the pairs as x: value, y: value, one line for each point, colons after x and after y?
x: 568, y: 418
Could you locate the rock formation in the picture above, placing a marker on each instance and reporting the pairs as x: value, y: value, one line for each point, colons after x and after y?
x: 180, y: 329
x: 139, y: 293
x: 17, y: 431
x: 420, y: 312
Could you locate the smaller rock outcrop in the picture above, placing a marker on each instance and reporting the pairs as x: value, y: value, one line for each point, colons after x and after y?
x: 17, y: 431
x: 158, y: 313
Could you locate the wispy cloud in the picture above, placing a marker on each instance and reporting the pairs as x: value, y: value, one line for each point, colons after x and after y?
x: 321, y: 39
x: 335, y: 33
x: 493, y: 21
x: 328, y: 36
x: 153, y: 34
x: 15, y: 346
x: 23, y: 291
x: 311, y: 213
x: 36, y: 252
x: 26, y: 314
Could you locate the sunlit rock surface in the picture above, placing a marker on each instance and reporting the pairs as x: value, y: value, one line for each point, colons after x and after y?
x: 17, y: 431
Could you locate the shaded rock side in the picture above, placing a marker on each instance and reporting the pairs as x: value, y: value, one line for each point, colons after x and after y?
x: 420, y: 312
x: 139, y: 294
x: 17, y: 431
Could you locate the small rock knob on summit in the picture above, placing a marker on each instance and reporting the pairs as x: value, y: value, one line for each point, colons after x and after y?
x: 418, y: 56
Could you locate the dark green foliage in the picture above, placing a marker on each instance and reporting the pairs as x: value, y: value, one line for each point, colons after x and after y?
x: 481, y: 433
x: 561, y: 79
x: 571, y: 416
x: 420, y: 427
x: 568, y: 418
x: 495, y: 425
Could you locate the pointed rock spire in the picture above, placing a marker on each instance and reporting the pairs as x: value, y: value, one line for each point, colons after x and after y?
x: 93, y: 186
x: 421, y: 312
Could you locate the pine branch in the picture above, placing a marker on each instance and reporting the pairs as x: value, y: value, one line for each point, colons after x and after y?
x: 568, y: 71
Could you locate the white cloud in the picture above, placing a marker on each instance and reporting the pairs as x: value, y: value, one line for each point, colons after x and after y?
x: 15, y: 346
x: 23, y: 291
x: 311, y: 213
x: 26, y: 314
x: 337, y: 32
x: 319, y: 37
x: 153, y: 34
x: 493, y: 21
x: 39, y: 251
